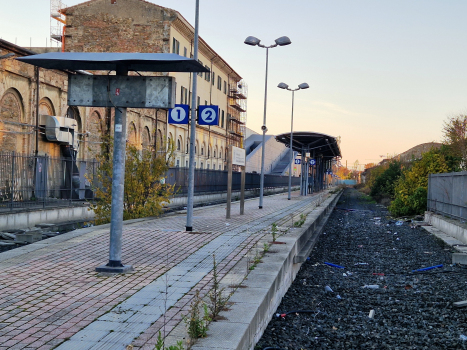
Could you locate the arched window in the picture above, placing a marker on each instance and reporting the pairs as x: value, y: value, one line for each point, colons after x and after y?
x: 179, y: 145
x: 132, y: 133
x: 95, y: 133
x: 11, y: 109
x: 46, y: 107
x: 170, y: 140
x: 146, y: 138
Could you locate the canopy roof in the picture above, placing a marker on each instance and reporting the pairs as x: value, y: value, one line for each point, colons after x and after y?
x: 143, y: 62
x: 311, y: 142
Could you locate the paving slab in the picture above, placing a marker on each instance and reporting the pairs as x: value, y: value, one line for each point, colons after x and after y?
x: 51, y: 291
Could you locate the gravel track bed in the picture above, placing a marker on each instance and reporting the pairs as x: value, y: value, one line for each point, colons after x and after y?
x: 412, y: 310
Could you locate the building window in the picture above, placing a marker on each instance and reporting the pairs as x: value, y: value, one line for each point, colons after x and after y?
x: 219, y: 83
x: 200, y: 73
x: 199, y: 100
x: 178, y: 163
x: 225, y: 87
x: 214, y: 153
x: 202, y: 152
x: 214, y: 167
x: 207, y: 166
x: 185, y: 52
x: 186, y: 164
x: 213, y: 78
x: 183, y: 95
x: 179, y: 145
x: 202, y: 165
x: 207, y: 75
x: 205, y: 102
x: 222, y: 119
x: 176, y: 46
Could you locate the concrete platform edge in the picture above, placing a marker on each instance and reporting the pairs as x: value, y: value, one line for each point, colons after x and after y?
x: 281, y: 268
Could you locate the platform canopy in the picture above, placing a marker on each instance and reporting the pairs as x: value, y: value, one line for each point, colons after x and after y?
x: 311, y: 142
x: 142, y: 62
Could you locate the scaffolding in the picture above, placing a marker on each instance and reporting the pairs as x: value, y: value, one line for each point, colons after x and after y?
x: 238, y: 93
x: 57, y: 21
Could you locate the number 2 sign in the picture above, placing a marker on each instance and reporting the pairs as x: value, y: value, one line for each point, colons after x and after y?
x: 208, y: 115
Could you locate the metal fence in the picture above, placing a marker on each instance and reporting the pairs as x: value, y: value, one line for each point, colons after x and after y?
x: 28, y: 182
x: 208, y: 181
x: 447, y: 194
x: 33, y: 182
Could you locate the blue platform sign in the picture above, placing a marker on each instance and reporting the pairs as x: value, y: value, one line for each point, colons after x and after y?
x: 298, y: 161
x: 208, y: 115
x: 179, y: 114
x: 312, y: 162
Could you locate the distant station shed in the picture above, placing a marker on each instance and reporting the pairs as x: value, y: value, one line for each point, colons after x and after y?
x: 317, y: 152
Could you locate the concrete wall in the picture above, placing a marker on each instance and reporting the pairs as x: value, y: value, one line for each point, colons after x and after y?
x: 452, y: 227
x: 51, y: 216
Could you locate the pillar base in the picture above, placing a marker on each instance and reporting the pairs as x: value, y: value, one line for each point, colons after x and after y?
x: 114, y: 269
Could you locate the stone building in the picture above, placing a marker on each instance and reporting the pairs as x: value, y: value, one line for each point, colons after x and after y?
x: 140, y: 26
x: 18, y: 106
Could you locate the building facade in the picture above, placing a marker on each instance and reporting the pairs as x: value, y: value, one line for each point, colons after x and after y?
x: 27, y: 96
x: 140, y: 26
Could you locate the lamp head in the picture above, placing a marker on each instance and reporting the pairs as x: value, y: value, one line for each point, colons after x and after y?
x: 283, y: 86
x: 282, y: 41
x: 303, y: 86
x: 251, y: 40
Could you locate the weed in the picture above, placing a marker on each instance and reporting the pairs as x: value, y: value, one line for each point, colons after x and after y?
x: 274, y: 232
x: 300, y: 222
x: 266, y: 247
x: 197, y: 325
x: 161, y: 346
x: 216, y: 295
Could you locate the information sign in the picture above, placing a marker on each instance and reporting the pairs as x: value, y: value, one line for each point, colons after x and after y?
x: 312, y: 162
x: 179, y: 114
x: 208, y: 115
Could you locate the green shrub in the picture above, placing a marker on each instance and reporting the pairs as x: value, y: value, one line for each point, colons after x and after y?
x: 411, y: 188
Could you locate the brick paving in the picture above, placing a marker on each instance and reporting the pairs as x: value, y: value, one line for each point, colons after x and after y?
x: 52, y: 294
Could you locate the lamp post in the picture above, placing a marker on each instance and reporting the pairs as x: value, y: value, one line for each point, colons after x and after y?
x: 284, y: 86
x: 191, y: 169
x: 282, y: 41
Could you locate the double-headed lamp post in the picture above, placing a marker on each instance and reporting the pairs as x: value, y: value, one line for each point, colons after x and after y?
x: 286, y: 87
x: 282, y: 41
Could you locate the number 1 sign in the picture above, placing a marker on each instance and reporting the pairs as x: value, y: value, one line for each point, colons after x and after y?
x: 208, y: 115
x: 179, y: 114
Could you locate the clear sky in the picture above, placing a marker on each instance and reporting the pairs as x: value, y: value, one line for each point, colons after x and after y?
x: 383, y: 75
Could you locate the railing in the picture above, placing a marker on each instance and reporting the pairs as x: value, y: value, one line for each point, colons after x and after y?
x: 447, y: 194
x: 208, y: 181
x: 34, y: 182
x: 31, y: 182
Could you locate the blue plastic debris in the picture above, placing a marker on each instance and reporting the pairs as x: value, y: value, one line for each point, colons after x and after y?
x: 428, y: 268
x: 334, y: 265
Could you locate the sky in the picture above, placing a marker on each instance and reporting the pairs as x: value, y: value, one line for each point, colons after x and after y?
x: 384, y: 75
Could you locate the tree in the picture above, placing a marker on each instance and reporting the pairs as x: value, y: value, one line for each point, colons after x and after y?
x: 455, y: 138
x: 383, y: 185
x: 145, y: 190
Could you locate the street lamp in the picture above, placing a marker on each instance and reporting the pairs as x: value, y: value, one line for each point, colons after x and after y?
x: 284, y: 86
x: 282, y: 41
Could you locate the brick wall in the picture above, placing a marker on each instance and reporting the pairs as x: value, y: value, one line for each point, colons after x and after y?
x: 122, y: 26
